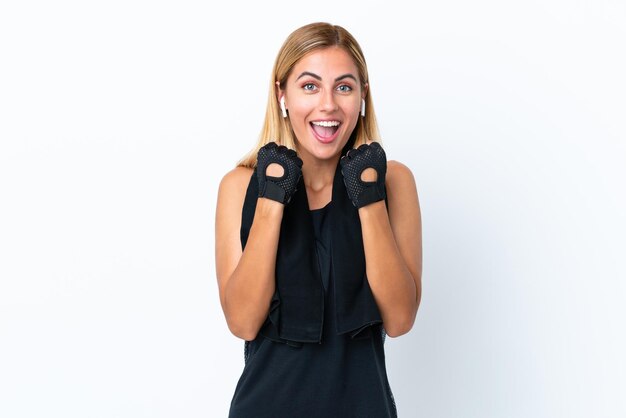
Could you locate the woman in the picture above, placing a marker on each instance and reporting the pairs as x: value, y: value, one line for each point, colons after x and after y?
x: 318, y: 241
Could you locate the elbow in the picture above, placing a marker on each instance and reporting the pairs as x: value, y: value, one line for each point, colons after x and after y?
x: 397, y: 328
x: 244, y: 332
x: 243, y: 327
x: 241, y: 324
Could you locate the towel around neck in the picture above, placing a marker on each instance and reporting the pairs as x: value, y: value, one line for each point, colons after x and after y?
x: 297, y: 307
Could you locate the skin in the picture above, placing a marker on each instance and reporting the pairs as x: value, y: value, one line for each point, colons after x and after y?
x: 323, y: 85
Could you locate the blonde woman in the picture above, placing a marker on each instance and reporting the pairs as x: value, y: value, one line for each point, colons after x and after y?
x: 318, y: 241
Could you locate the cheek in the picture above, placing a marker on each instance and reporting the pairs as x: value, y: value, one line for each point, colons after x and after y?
x: 351, y: 106
x: 297, y: 118
x: 297, y: 115
x: 300, y: 110
x: 352, y: 110
x: 301, y: 104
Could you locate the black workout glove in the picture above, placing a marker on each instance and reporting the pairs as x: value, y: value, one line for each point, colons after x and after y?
x: 355, y: 161
x: 282, y: 188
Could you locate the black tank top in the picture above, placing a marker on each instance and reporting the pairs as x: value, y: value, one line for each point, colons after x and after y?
x: 340, y: 377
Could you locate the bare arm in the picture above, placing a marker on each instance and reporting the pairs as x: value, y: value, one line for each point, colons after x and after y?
x: 246, y: 278
x: 393, y: 250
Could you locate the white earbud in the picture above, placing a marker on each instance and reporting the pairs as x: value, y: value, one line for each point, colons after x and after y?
x: 363, y: 107
x: 282, y: 106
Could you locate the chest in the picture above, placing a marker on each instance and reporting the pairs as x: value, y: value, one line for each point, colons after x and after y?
x: 319, y: 198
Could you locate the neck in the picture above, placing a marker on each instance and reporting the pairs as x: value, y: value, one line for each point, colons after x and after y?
x: 319, y: 174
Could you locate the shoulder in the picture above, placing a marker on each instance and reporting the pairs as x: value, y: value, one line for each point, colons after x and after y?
x: 236, y: 180
x: 237, y: 175
x: 402, y: 198
x: 399, y: 176
x: 404, y: 208
x: 233, y: 187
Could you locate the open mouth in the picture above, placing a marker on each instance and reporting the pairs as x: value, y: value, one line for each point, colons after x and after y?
x: 325, y: 130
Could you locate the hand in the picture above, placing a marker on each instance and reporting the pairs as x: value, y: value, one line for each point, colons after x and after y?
x: 281, y: 188
x: 353, y: 164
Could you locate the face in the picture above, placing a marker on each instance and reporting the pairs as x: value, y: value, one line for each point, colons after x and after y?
x: 323, y: 96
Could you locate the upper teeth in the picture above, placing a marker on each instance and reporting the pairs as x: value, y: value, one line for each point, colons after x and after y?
x: 326, y: 123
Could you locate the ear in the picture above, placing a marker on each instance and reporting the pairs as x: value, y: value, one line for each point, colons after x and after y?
x: 279, y: 92
x: 364, y: 92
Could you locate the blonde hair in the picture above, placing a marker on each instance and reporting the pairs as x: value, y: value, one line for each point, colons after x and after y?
x: 302, y: 41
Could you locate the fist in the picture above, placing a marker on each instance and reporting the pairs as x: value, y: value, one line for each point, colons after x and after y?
x: 353, y: 164
x: 280, y: 188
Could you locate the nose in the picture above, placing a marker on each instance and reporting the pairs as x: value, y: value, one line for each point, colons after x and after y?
x: 327, y: 101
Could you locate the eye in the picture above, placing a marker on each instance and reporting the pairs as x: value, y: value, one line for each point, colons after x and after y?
x: 344, y: 88
x: 309, y: 87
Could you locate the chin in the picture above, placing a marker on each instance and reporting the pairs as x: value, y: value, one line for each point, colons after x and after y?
x: 330, y: 149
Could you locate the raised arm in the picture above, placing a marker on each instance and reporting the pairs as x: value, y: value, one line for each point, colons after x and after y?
x: 391, y: 238
x: 393, y: 250
x: 246, y: 278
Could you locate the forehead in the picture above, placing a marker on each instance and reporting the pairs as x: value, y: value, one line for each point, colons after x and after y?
x: 327, y: 63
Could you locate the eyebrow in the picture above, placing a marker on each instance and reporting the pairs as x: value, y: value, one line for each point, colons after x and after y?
x: 317, y: 77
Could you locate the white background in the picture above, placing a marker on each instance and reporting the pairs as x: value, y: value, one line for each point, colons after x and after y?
x: 119, y: 118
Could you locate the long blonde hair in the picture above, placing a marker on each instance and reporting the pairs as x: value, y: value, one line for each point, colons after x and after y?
x: 303, y: 40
